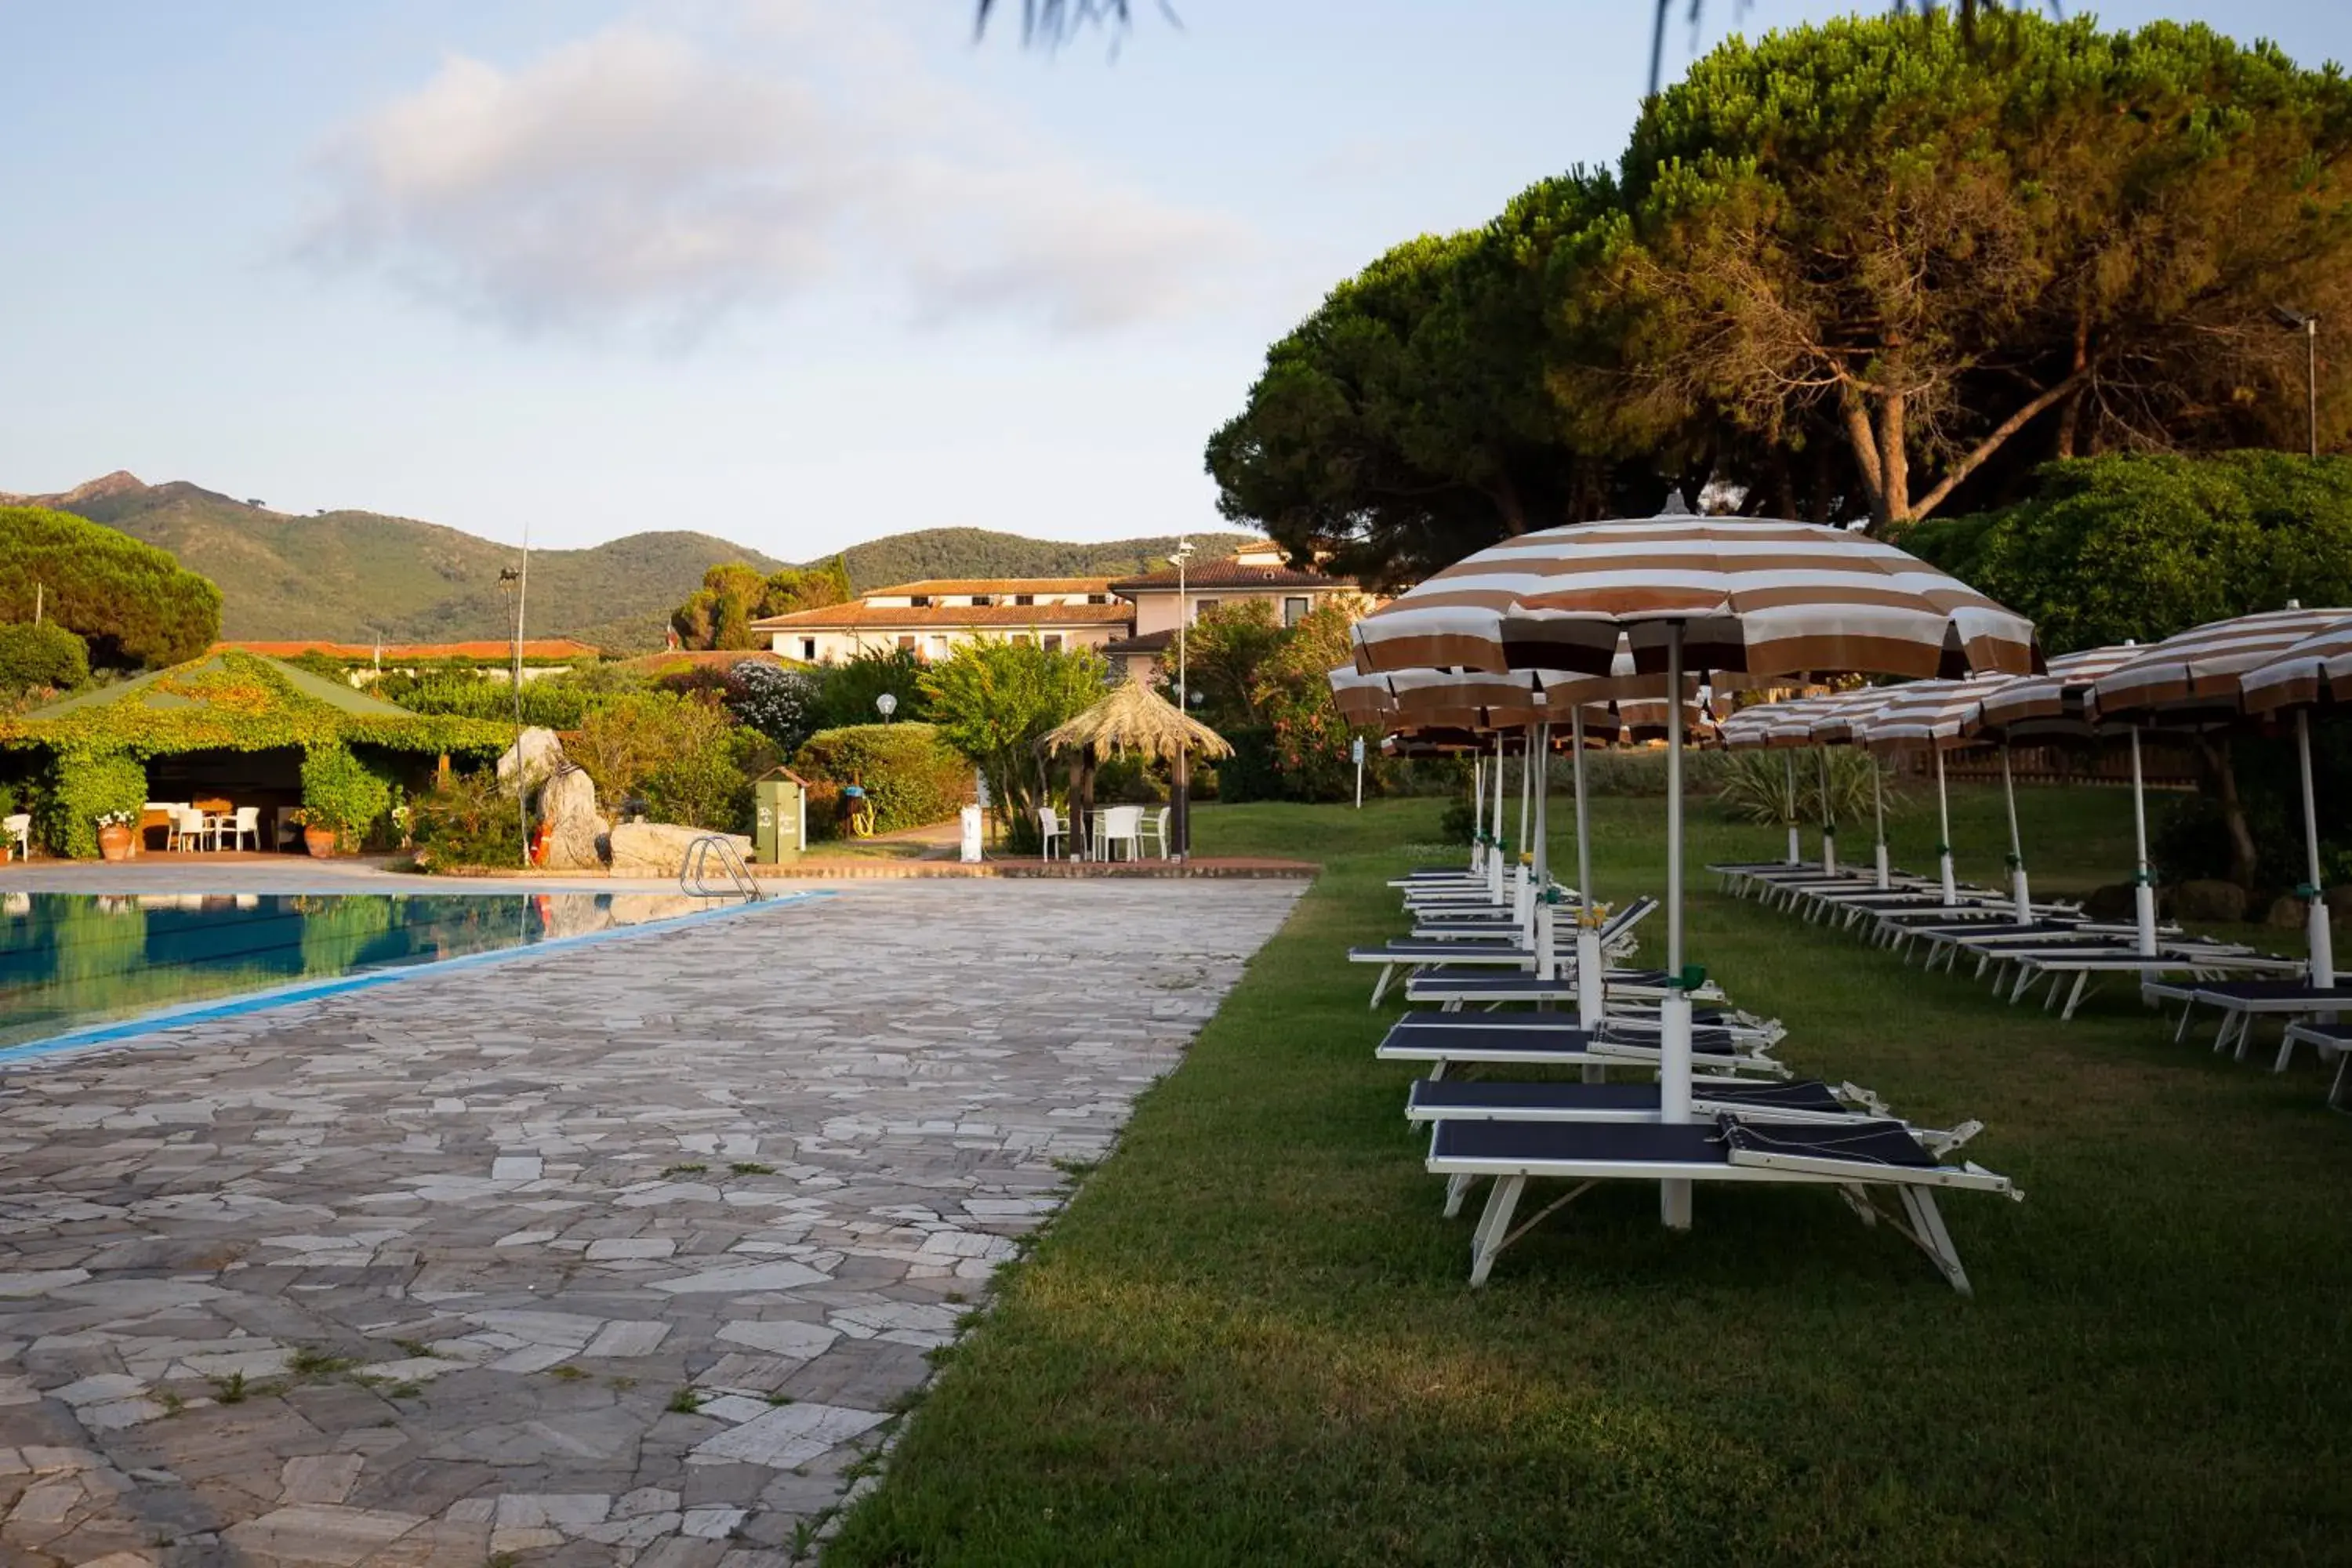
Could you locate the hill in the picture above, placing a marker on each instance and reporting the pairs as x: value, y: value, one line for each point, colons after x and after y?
x: 976, y: 553
x: 355, y: 575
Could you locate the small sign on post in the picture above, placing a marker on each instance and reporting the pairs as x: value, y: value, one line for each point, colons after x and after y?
x: 1356, y: 750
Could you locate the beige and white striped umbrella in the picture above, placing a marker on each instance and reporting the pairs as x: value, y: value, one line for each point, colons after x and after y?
x: 2051, y: 703
x: 2316, y: 670
x: 2200, y: 669
x: 1751, y: 596
x: 1944, y: 714
x: 1361, y: 699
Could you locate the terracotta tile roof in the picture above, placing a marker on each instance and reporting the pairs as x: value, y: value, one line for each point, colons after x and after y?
x: 1015, y: 617
x: 937, y: 585
x: 487, y: 648
x: 1230, y: 575
x: 1149, y: 642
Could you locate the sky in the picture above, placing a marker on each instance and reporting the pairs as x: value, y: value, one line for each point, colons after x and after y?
x: 794, y: 272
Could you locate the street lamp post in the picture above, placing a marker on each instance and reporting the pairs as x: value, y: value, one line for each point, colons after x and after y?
x: 1180, y: 790
x: 2307, y: 324
x: 517, y: 580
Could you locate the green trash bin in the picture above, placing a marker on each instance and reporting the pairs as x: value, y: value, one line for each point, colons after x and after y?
x: 779, y: 831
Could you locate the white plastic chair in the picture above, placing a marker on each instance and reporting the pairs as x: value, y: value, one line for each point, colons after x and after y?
x: 1118, y: 824
x: 1155, y: 828
x: 1051, y: 825
x: 194, y: 827
x: 19, y: 830
x: 246, y: 822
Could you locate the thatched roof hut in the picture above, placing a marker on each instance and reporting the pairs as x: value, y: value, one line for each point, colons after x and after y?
x: 1134, y: 718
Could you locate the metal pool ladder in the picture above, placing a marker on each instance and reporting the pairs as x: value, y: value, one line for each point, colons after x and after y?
x: 695, y: 872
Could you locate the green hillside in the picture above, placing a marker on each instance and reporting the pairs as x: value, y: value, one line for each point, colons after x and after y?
x: 351, y: 575
x: 976, y: 553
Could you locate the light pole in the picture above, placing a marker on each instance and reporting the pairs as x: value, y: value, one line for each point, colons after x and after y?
x: 1180, y: 790
x: 2307, y: 324
x: 517, y: 581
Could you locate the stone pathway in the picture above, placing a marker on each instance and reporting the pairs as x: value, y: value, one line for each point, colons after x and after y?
x: 623, y: 1255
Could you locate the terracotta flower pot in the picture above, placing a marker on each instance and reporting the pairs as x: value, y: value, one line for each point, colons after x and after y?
x: 114, y: 841
x: 319, y: 841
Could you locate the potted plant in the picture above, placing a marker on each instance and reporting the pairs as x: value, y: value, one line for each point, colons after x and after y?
x: 318, y: 835
x: 114, y: 836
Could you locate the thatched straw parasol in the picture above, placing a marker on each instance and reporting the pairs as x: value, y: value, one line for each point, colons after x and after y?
x: 1134, y: 719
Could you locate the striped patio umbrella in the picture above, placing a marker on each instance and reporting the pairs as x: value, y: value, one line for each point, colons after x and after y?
x: 2195, y: 677
x: 1361, y: 699
x: 2314, y: 673
x: 1938, y: 716
x: 1754, y: 597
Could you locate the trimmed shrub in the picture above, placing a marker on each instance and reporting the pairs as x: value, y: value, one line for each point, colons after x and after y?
x: 42, y: 656
x: 86, y: 785
x: 465, y: 821
x: 908, y: 773
x: 340, y: 791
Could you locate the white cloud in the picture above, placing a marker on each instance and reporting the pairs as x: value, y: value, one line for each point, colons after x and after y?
x: 638, y: 178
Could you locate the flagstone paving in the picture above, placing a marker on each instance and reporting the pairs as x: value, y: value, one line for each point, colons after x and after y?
x: 626, y: 1255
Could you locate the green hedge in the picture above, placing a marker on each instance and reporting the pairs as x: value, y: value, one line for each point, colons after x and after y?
x: 909, y: 774
x: 86, y: 785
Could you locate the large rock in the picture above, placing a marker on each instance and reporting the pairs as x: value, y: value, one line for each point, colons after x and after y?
x: 575, y: 832
x: 2339, y: 905
x: 536, y: 754
x: 2287, y: 912
x: 2210, y: 901
x: 658, y: 848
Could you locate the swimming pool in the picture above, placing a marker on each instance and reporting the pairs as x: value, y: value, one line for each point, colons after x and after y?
x: 72, y: 964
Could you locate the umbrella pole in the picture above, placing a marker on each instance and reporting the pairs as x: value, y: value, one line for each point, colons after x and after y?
x: 1546, y: 915
x: 1523, y: 888
x: 2323, y: 950
x: 1494, y: 850
x: 1788, y: 766
x: 1591, y: 983
x: 2017, y: 886
x: 1477, y: 812
x: 2143, y: 877
x: 1878, y: 808
x: 1944, y: 832
x: 1675, y: 1013
x: 1829, y: 818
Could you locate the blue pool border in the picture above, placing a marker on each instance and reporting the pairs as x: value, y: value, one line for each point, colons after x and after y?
x: 313, y: 990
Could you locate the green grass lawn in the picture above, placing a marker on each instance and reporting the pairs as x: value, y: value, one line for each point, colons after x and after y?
x: 1249, y: 1337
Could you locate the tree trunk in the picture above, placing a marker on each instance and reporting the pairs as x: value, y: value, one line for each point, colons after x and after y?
x: 2070, y: 420
x: 1894, y: 460
x: 2221, y: 782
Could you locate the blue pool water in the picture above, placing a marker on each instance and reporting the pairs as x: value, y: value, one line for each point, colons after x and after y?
x: 70, y: 962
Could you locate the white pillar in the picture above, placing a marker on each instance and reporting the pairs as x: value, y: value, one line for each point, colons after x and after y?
x: 2323, y: 948
x: 1584, y: 832
x: 1674, y: 1016
x: 2144, y: 876
x: 1944, y: 832
x: 1788, y: 766
x: 1477, y: 812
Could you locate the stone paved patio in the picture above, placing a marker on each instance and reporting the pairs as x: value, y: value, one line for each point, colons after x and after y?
x: 621, y: 1256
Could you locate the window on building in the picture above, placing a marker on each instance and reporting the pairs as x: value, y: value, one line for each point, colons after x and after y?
x: 1051, y: 642
x: 921, y: 601
x: 981, y: 601
x: 907, y: 644
x: 1024, y: 598
x: 1021, y: 639
x: 1097, y: 599
x: 808, y: 650
x: 1294, y: 610
x: 937, y: 648
x: 1202, y: 606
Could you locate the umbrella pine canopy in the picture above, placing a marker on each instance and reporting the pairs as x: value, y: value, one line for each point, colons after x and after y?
x: 1135, y: 719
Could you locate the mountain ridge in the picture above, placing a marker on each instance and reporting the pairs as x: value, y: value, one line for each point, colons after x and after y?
x: 349, y: 575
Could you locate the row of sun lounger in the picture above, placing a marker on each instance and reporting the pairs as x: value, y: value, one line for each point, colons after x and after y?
x: 2059, y: 946
x: 1752, y: 1120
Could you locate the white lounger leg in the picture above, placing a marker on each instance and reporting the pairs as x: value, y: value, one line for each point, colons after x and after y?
x: 1928, y: 1230
x: 1380, y: 987
x: 1494, y: 1225
x: 1457, y: 1187
x: 2335, y: 1091
x: 2074, y: 1000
